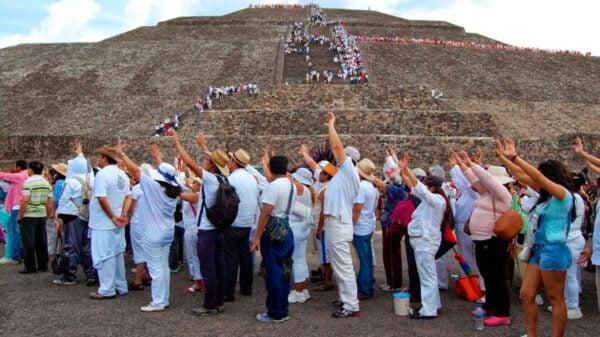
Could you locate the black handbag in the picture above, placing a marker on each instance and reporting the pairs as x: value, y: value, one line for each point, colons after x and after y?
x: 61, y: 261
x: 278, y: 228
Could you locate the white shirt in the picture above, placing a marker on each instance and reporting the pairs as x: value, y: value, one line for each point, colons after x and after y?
x: 427, y: 219
x: 112, y: 183
x: 246, y: 188
x: 368, y: 197
x: 210, y: 185
x: 136, y: 194
x: 277, y: 194
x: 341, y: 191
x: 575, y: 230
x: 158, y: 210
x: 466, y: 200
x: 70, y: 197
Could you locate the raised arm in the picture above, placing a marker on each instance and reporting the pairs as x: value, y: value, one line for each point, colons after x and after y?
x: 407, y: 175
x: 538, y: 179
x: 580, y: 151
x: 595, y: 169
x: 155, y: 150
x: 129, y: 164
x: 334, y: 140
x: 187, y: 159
x: 307, y: 158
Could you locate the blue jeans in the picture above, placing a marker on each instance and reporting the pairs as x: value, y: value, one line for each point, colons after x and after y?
x: 238, y: 256
x: 13, y: 237
x: 364, y: 250
x: 277, y: 260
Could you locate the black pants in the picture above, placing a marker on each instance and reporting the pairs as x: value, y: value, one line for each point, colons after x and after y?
x: 176, y: 249
x: 413, y: 273
x: 237, y: 255
x: 35, y: 243
x: 76, y: 240
x: 492, y: 256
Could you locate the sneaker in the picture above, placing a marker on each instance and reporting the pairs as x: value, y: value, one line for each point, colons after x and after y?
x: 268, y: 319
x: 64, y: 282
x: 151, y: 308
x: 306, y: 294
x: 343, y: 313
x: 293, y: 296
x: 8, y: 261
x: 574, y: 313
x: 497, y: 321
x: 539, y: 300
x: 95, y: 296
x: 221, y: 309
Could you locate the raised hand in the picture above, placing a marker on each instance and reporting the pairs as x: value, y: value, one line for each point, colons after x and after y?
x: 264, y: 160
x: 464, y: 157
x: 330, y: 119
x: 499, y: 150
x: 119, y: 147
x: 78, y: 147
x: 303, y: 150
x: 509, y: 148
x: 478, y: 158
x: 201, y: 141
x: 155, y: 150
x: 175, y: 137
x: 578, y: 146
x: 452, y: 160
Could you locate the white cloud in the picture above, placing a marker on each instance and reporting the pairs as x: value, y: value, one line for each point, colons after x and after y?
x: 67, y: 21
x: 549, y: 24
x: 144, y: 12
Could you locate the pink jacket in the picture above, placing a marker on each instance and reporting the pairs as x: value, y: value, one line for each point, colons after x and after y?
x: 15, y: 191
x: 492, y: 193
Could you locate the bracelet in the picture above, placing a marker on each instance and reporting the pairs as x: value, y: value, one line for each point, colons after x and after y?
x: 514, y: 157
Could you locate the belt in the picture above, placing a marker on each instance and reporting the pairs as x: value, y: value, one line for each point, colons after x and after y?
x: 415, y: 237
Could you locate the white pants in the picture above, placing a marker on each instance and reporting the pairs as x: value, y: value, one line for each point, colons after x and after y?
x: 191, y: 251
x: 157, y: 262
x: 135, y: 234
x: 425, y: 259
x: 466, y: 248
x: 441, y: 267
x: 299, y: 266
x: 107, y: 253
x: 572, y: 283
x: 338, y: 239
x: 52, y: 236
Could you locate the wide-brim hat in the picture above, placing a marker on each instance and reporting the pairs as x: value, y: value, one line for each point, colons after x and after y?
x: 108, y: 151
x: 241, y: 157
x: 365, y: 168
x: 220, y: 159
x: 438, y: 171
x: 500, y: 174
x: 352, y: 152
x: 146, y: 169
x: 419, y: 172
x: 60, y: 168
x: 165, y: 173
x: 303, y: 176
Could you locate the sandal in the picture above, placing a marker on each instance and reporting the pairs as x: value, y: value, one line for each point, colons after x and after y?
x: 324, y: 287
x: 196, y: 288
x: 133, y: 286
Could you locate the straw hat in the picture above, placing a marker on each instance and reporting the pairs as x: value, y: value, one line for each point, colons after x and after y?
x: 241, y: 157
x: 366, y: 168
x: 500, y: 174
x: 108, y: 151
x: 303, y: 176
x: 220, y: 159
x: 60, y: 168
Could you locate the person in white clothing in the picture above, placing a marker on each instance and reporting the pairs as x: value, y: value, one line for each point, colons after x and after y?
x: 425, y: 234
x: 108, y: 217
x: 190, y: 213
x: 300, y: 220
x: 363, y: 217
x: 337, y: 210
x: 160, y: 194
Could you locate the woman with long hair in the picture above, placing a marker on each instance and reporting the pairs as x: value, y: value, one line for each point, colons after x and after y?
x: 550, y: 256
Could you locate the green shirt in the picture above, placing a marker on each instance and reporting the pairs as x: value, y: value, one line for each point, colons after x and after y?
x: 39, y: 191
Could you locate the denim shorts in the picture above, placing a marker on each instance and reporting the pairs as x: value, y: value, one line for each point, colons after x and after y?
x: 551, y: 256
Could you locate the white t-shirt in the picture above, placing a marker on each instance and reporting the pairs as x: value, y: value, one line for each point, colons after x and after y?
x: 158, y: 210
x: 246, y: 188
x: 368, y: 197
x: 210, y: 184
x: 277, y: 194
x: 136, y: 194
x: 112, y: 183
x: 341, y: 191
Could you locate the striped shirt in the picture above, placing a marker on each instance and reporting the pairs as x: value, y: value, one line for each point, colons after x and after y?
x: 39, y: 191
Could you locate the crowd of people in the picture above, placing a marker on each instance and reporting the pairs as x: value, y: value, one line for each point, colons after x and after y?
x: 279, y: 6
x: 465, y: 44
x: 229, y: 211
x: 168, y: 126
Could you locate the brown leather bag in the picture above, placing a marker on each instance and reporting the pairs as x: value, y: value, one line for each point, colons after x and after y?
x: 508, y: 225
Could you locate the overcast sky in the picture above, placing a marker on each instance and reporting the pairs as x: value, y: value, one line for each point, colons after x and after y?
x: 549, y: 24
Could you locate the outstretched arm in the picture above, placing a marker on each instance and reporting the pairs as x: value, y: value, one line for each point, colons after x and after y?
x: 334, y: 139
x: 307, y: 158
x: 580, y: 151
x: 156, y: 154
x: 129, y: 164
x: 187, y: 159
x: 514, y: 169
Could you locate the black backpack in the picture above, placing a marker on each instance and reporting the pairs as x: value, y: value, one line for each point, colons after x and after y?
x: 225, y: 209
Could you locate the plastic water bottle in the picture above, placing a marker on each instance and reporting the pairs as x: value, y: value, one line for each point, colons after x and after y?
x: 479, y: 317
